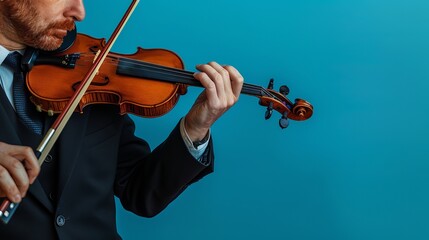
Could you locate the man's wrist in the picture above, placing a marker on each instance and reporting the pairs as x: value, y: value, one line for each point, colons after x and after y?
x: 195, y: 142
x: 195, y: 135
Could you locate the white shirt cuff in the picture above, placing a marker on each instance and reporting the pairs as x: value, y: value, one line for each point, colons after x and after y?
x: 198, y: 151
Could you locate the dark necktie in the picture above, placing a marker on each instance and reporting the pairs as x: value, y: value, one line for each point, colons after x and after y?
x: 25, y: 110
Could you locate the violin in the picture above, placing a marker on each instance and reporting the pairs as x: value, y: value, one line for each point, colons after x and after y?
x: 147, y: 83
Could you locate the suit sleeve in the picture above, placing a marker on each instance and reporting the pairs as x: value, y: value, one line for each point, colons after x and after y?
x: 146, y: 182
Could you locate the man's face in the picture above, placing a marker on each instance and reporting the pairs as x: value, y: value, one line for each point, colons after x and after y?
x: 43, y: 23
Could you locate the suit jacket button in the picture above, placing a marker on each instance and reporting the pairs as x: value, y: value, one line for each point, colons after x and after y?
x: 51, y: 196
x: 48, y: 158
x: 60, y: 221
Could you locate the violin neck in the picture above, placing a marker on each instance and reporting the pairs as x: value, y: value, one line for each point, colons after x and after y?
x: 134, y: 68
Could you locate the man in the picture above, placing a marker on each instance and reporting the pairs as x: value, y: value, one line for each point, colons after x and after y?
x: 97, y: 156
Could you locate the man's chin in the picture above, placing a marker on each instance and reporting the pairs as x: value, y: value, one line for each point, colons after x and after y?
x: 49, y: 43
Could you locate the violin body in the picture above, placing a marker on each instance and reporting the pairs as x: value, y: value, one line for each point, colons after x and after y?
x: 52, y: 85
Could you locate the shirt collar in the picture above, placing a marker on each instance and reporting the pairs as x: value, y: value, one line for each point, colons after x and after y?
x: 4, y: 52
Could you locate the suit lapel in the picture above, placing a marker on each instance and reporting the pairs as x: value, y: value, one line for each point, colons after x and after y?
x: 7, y: 133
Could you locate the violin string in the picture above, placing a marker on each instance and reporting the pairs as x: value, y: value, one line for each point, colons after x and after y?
x: 188, y: 75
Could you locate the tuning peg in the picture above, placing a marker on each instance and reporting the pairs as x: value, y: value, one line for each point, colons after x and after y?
x: 271, y: 84
x: 269, y: 111
x: 284, y: 122
x: 284, y: 90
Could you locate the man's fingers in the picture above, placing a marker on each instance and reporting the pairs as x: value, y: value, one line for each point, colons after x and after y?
x: 215, y: 77
x: 29, y: 160
x: 237, y: 80
x: 8, y: 186
x: 18, y: 169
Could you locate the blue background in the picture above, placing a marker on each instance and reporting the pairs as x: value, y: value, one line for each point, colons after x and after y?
x: 358, y: 169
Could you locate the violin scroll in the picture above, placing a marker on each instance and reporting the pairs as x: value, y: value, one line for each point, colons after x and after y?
x: 300, y: 110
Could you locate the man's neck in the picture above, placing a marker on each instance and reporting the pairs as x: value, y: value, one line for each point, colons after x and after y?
x: 10, y: 44
x: 8, y: 37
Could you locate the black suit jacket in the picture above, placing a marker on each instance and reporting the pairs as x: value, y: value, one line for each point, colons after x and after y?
x: 100, y: 157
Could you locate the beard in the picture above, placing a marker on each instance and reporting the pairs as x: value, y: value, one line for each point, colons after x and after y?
x: 30, y: 29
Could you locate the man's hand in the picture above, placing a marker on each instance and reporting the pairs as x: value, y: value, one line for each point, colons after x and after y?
x: 222, y: 89
x: 18, y: 169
